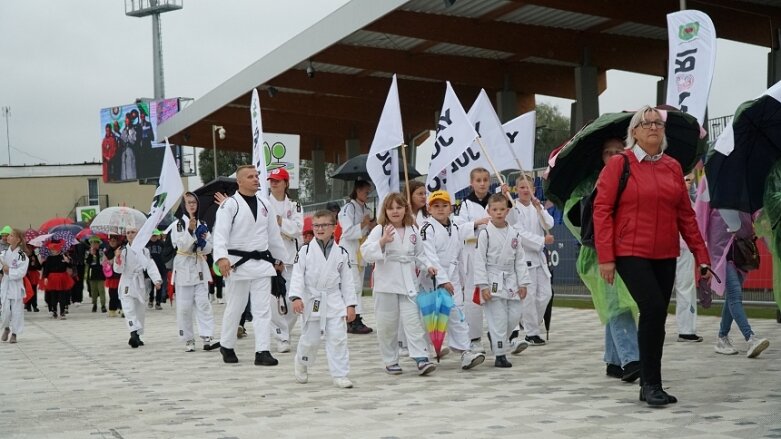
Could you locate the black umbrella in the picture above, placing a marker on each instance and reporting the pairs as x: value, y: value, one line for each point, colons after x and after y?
x: 737, y: 181
x: 74, y: 229
x: 355, y: 169
x: 582, y: 155
x: 549, y: 309
x: 207, y: 207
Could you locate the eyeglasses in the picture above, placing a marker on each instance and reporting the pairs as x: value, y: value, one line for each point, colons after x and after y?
x: 657, y: 123
x: 322, y: 226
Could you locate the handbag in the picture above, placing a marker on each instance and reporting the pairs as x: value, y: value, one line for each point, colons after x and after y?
x: 745, y: 254
x: 108, y: 271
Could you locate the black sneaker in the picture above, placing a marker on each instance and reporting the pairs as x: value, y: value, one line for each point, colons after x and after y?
x: 694, y: 338
x: 103, y: 309
x: 631, y: 372
x: 501, y: 361
x: 94, y: 308
x: 134, y: 341
x: 614, y: 371
x: 228, y: 355
x: 535, y: 340
x: 264, y: 358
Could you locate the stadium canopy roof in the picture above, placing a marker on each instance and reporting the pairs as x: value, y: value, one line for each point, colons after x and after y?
x: 527, y: 46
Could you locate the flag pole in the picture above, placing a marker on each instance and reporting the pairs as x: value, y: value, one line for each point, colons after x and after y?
x: 406, y: 175
x: 490, y: 162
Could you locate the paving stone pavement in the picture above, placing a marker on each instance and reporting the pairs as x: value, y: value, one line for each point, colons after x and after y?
x: 78, y: 378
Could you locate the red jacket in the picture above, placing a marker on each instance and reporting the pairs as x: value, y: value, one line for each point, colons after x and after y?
x: 653, y: 210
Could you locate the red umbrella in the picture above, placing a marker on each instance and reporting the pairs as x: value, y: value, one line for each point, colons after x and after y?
x: 54, y: 222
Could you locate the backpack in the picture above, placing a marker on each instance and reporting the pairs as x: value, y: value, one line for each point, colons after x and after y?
x: 587, y: 207
x: 745, y: 254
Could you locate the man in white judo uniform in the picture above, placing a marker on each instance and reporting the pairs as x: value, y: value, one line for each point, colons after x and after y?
x: 249, y: 251
x: 322, y: 290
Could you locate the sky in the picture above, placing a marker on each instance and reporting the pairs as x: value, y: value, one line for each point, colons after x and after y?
x: 62, y: 61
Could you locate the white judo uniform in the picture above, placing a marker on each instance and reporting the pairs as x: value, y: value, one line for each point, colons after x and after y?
x: 531, y: 225
x: 350, y: 218
x: 500, y: 266
x: 235, y: 228
x: 395, y: 288
x: 291, y: 228
x: 325, y: 285
x: 685, y: 292
x: 468, y: 213
x: 191, y: 278
x: 12, y: 289
x: 132, y: 287
x: 443, y: 246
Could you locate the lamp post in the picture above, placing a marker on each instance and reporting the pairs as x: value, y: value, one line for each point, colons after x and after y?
x: 216, y: 129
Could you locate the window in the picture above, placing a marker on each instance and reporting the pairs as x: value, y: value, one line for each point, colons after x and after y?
x: 92, y: 192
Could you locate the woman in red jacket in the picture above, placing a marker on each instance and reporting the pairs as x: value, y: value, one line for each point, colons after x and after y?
x: 638, y: 236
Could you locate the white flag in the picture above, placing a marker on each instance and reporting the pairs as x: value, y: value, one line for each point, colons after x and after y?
x: 454, y: 135
x: 521, y: 133
x: 168, y: 193
x: 258, y: 149
x: 382, y: 164
x: 692, y: 60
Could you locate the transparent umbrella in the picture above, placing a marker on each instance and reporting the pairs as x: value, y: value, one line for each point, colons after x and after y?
x: 117, y: 220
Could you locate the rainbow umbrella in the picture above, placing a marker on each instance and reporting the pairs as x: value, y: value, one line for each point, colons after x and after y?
x: 435, y: 308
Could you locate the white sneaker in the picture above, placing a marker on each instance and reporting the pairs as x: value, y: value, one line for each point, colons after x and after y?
x: 221, y: 301
x: 477, y: 346
x: 517, y: 346
x: 211, y: 298
x: 756, y: 346
x: 301, y: 372
x: 189, y: 346
x: 724, y: 346
x: 343, y: 382
x: 283, y: 346
x: 471, y: 359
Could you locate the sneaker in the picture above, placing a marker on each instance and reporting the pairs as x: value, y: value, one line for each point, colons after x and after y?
x: 158, y: 307
x: 471, y: 359
x: 13, y: 339
x: 264, y: 358
x: 501, y: 361
x: 393, y: 369
x: 241, y: 332
x: 426, y: 367
x: 54, y: 315
x: 189, y: 346
x: 208, y: 344
x: 614, y: 371
x: 36, y: 310
x: 535, y: 340
x: 103, y: 309
x: 300, y: 370
x: 62, y: 316
x: 689, y: 338
x: 228, y: 355
x: 357, y: 327
x: 518, y: 346
x: 150, y: 305
x: 283, y: 346
x: 756, y: 346
x: 724, y: 346
x: 343, y: 383
x: 6, y: 333
x: 221, y: 302
x: 477, y: 346
x: 631, y: 372
x: 94, y: 307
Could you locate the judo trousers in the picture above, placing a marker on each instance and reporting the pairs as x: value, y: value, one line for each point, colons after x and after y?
x: 502, y: 316
x: 194, y: 300
x: 389, y: 308
x: 335, y: 345
x: 135, y: 312
x: 12, y: 315
x: 238, y: 292
x: 685, y: 294
x: 538, y: 294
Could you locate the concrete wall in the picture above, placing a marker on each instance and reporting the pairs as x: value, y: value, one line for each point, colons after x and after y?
x: 29, y: 201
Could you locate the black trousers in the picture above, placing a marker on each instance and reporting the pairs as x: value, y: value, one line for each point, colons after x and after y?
x: 650, y: 282
x: 216, y: 285
x: 113, y: 299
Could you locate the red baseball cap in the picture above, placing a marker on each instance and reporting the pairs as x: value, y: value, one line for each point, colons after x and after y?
x: 279, y: 174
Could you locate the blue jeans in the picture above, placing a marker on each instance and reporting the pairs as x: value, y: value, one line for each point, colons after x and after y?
x: 621, y: 340
x: 733, y: 304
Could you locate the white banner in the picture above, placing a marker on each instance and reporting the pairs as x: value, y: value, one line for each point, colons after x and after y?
x: 455, y: 133
x: 522, y: 133
x: 494, y: 139
x: 283, y: 151
x: 169, y: 191
x: 382, y: 164
x: 258, y: 155
x: 725, y: 143
x: 692, y: 59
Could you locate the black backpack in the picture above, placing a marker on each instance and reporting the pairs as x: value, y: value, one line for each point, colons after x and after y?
x: 587, y: 207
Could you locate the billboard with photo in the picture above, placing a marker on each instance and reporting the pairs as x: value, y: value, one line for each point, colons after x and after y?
x: 129, y: 147
x: 283, y: 151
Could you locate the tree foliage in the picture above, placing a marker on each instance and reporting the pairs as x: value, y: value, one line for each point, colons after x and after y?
x: 227, y: 162
x: 552, y: 130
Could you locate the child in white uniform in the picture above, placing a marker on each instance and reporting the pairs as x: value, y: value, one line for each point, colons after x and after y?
x: 14, y: 263
x: 355, y: 220
x: 443, y: 243
x: 132, y: 291
x: 395, y: 248
x: 322, y: 290
x: 502, y: 275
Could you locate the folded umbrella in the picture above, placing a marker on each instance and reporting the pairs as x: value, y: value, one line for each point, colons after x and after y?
x: 435, y: 306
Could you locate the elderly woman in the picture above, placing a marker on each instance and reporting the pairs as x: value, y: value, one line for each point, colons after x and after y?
x: 638, y: 236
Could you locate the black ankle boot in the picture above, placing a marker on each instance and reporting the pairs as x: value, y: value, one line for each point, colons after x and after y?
x: 134, y: 341
x: 652, y: 394
x: 228, y: 355
x: 264, y: 358
x: 501, y: 361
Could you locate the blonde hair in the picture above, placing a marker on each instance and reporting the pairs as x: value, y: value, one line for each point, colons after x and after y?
x: 476, y: 171
x: 395, y: 197
x: 527, y: 177
x: 635, y: 122
x: 20, y: 235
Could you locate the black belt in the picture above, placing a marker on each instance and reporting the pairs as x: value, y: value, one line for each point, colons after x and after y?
x: 253, y: 255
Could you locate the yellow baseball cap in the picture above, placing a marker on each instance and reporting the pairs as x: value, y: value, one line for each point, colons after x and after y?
x: 439, y: 195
